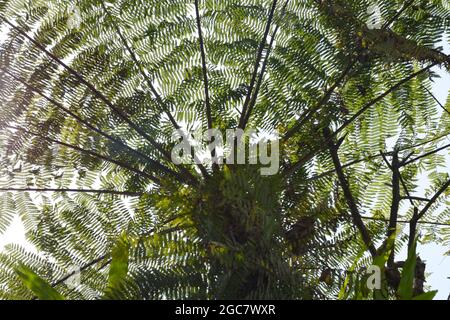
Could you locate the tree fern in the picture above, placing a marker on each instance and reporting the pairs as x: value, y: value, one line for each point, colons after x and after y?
x: 93, y: 91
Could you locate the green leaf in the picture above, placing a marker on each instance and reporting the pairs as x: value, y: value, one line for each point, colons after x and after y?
x: 119, y: 263
x: 426, y: 296
x: 342, y: 293
x: 406, y: 287
x: 380, y: 261
x: 41, y: 288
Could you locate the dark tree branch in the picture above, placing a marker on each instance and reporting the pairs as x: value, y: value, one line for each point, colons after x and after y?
x: 322, y: 101
x: 312, y: 153
x: 395, y: 204
x: 402, y: 163
x: 427, y: 154
x: 263, y: 70
x: 388, y: 23
x: 436, y: 99
x: 97, y: 93
x: 351, y: 202
x: 84, y: 267
x: 415, y: 198
x: 95, y: 129
x: 408, y: 221
x: 330, y: 172
x: 424, y: 143
x: 433, y: 199
x: 257, y: 63
x: 204, y: 66
x: 382, y: 96
x: 123, y: 193
x: 155, y: 93
x: 418, y: 215
x: 103, y: 257
x: 90, y: 153
x: 370, y: 157
x: 413, y: 228
x: 408, y: 195
x: 209, y: 118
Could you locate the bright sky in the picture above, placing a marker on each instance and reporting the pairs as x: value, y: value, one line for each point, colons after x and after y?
x: 438, y: 265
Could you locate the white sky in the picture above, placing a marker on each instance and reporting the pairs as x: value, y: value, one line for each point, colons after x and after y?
x: 437, y: 263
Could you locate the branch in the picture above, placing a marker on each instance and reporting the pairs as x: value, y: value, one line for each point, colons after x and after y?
x: 351, y: 202
x: 418, y: 215
x: 382, y: 96
x: 413, y: 228
x: 103, y: 257
x: 415, y: 198
x: 313, y: 152
x: 89, y: 152
x: 408, y: 221
x: 395, y: 204
x: 426, y: 154
x: 321, y: 102
x: 209, y: 118
x: 257, y: 63
x: 84, y: 267
x: 95, y: 129
x: 80, y: 78
x: 123, y: 193
x: 263, y: 70
x: 156, y: 94
x: 204, y: 67
x: 370, y: 157
x: 398, y: 14
x: 433, y: 200
x: 436, y: 99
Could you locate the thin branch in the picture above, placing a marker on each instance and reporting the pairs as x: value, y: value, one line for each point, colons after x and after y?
x: 433, y: 199
x: 204, y: 67
x: 156, y: 94
x: 320, y: 148
x: 418, y: 215
x: 95, y: 129
x: 102, y: 97
x: 84, y: 267
x: 397, y: 15
x: 257, y: 63
x: 415, y: 198
x: 370, y: 157
x: 351, y: 202
x: 395, y: 204
x: 90, y: 153
x: 382, y: 96
x: 134, y: 58
x: 321, y: 102
x: 263, y: 70
x: 427, y: 154
x: 114, y: 192
x: 405, y: 188
x: 332, y: 171
x: 103, y: 257
x: 209, y: 118
x: 443, y: 135
x: 413, y: 228
x: 408, y: 221
x: 436, y: 99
